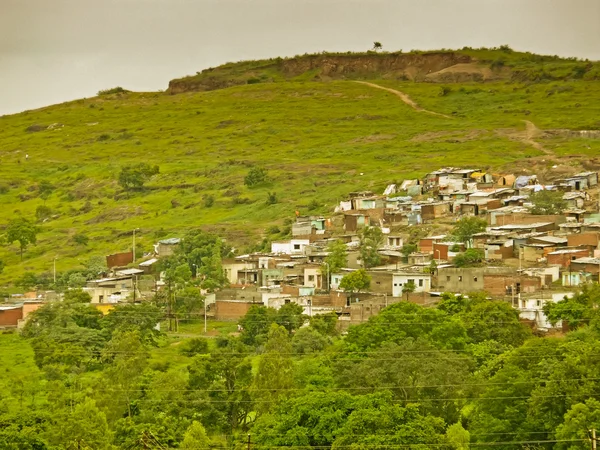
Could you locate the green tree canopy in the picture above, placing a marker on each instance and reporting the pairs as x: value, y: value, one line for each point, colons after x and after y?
x: 356, y: 281
x: 133, y: 177
x: 465, y: 228
x: 547, y: 202
x: 371, y: 239
x: 23, y: 231
x: 472, y: 257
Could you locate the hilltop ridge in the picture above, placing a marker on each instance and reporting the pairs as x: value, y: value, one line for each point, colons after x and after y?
x: 443, y: 66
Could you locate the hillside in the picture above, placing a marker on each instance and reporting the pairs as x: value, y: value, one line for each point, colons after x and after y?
x: 317, y: 140
x: 466, y: 65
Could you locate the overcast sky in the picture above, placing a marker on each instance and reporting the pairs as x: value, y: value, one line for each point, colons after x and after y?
x: 57, y: 50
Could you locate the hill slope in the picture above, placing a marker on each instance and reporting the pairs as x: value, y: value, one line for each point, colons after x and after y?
x: 466, y: 65
x: 318, y: 141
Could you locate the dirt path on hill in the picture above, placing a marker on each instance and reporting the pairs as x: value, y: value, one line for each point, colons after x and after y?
x: 531, y: 132
x: 405, y: 98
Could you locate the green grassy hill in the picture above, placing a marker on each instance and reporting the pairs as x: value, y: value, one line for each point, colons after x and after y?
x: 317, y: 140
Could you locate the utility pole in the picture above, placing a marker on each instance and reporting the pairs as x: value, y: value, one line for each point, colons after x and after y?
x: 248, y: 441
x: 135, y: 229
x: 593, y: 430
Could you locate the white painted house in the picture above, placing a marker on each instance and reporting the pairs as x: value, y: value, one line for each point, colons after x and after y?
x: 532, y: 309
x: 422, y: 282
x: 291, y: 247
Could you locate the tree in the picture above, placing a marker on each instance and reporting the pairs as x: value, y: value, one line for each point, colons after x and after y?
x: 128, y: 358
x: 465, y: 228
x: 275, y: 372
x: 371, y: 238
x: 336, y: 259
x: 84, y: 427
x: 547, y: 202
x: 133, y: 177
x: 195, y: 437
x: 212, y: 270
x: 407, y: 249
x: 408, y: 288
x: 579, y: 310
x: 23, y: 231
x: 256, y: 323
x: 256, y: 176
x: 581, y: 418
x: 356, y: 281
x: 495, y: 320
x: 458, y: 437
x: 377, y: 46
x: 290, y: 316
x: 45, y: 189
x: 472, y: 257
x: 77, y: 296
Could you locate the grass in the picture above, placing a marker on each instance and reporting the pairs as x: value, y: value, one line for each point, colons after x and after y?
x: 20, y: 382
x: 318, y: 141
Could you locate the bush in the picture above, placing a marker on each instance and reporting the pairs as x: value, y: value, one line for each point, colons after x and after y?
x: 471, y: 258
x: 4, y: 189
x: 115, y: 90
x: 42, y: 212
x: 256, y: 176
x: 134, y: 176
x: 444, y: 90
x: 81, y: 239
x: 271, y: 198
x: 195, y: 346
x: 314, y: 204
x: 209, y: 201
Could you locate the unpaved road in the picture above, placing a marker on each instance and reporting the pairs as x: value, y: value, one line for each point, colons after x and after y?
x: 405, y: 98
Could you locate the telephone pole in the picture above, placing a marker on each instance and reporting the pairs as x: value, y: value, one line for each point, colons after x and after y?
x: 593, y: 430
x: 249, y: 440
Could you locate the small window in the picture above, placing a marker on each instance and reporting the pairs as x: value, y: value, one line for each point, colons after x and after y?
x: 311, y: 278
x: 448, y: 278
x: 287, y: 301
x: 420, y: 283
x: 475, y: 279
x: 539, y: 303
x: 396, y: 284
x: 296, y: 246
x: 460, y: 278
x: 378, y: 282
x: 411, y: 281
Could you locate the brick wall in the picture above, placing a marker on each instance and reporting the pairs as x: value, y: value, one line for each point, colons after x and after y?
x: 10, y: 317
x: 119, y: 259
x: 588, y: 239
x: 496, y: 284
x: 564, y: 259
x: 232, y: 310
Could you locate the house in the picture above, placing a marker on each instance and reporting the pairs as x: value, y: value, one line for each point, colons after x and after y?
x: 449, y: 178
x: 525, y: 180
x: 421, y: 280
x: 591, y: 240
x: 313, y: 276
x: 110, y: 290
x: 241, y: 270
x: 576, y: 199
x: 355, y: 221
x: 393, y: 241
x: 10, y: 315
x: 426, y: 244
x: 577, y: 182
x: 532, y: 310
x: 587, y: 265
x: 291, y: 247
x: 149, y: 267
x: 167, y: 247
x: 432, y: 211
x: 505, y: 181
x: 564, y: 257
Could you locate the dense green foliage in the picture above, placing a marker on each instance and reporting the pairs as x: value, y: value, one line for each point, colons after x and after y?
x: 464, y: 373
x: 547, y: 202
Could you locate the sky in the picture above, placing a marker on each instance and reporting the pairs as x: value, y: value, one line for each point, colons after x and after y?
x: 53, y: 51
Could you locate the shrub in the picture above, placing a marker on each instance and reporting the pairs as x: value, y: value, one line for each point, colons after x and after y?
x: 195, y: 346
x: 103, y: 137
x: 314, y: 204
x: 271, y: 198
x: 115, y: 90
x: 43, y: 212
x: 4, y: 189
x: 209, y: 201
x: 444, y: 90
x: 256, y: 176
x: 81, y: 239
x: 472, y: 257
x: 134, y: 176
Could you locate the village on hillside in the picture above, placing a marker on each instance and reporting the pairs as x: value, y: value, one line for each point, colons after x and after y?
x: 534, y: 242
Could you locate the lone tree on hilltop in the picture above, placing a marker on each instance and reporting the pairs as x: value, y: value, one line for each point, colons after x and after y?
x: 23, y: 231
x: 377, y: 46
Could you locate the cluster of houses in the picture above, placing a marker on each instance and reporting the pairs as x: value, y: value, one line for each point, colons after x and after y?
x: 529, y: 259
